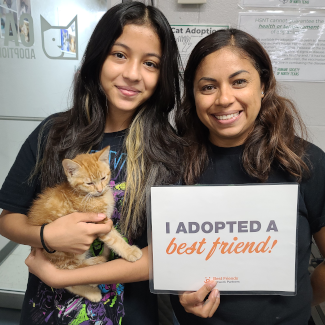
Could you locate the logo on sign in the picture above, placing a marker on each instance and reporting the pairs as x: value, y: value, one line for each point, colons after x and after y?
x: 58, y: 42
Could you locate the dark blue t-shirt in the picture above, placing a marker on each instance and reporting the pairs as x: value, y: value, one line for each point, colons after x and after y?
x: 225, y: 167
x: 121, y: 303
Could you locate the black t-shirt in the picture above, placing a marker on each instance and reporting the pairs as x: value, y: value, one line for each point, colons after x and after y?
x: 225, y: 167
x: 129, y: 304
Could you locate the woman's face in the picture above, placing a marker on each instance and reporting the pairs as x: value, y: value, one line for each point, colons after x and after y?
x: 130, y: 72
x: 228, y: 94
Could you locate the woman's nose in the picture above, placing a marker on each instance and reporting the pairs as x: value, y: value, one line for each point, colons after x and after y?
x: 225, y: 96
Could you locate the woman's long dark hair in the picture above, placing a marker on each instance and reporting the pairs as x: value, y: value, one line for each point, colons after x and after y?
x: 151, y: 143
x: 274, y: 136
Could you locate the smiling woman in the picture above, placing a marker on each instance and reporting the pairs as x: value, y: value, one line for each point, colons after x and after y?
x: 240, y: 131
x: 228, y: 93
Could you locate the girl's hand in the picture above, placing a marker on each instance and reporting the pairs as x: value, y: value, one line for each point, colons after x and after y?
x: 75, y: 232
x: 43, y: 268
x: 193, y: 302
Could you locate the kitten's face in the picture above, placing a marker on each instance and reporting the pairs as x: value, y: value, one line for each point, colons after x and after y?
x: 89, y: 173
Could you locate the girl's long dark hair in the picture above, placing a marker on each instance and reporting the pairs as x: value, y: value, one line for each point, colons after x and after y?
x: 274, y: 136
x: 151, y: 142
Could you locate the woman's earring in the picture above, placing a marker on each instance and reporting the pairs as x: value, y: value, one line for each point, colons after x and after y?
x: 262, y: 92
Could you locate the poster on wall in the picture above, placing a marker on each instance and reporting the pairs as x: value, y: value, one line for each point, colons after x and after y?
x: 198, y: 235
x: 295, y: 43
x: 284, y: 3
x: 41, y: 46
x: 187, y: 36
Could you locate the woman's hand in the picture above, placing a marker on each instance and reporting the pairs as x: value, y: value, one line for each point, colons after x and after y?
x: 193, y: 302
x: 75, y: 232
x: 40, y: 266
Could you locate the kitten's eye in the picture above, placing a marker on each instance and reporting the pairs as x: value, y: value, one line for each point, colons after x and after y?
x: 89, y: 183
x: 103, y: 178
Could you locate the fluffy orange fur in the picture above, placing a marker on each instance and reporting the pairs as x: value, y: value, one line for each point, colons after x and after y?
x: 86, y: 190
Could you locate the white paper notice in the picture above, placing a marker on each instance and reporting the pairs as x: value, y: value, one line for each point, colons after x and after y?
x: 242, y: 236
x: 285, y: 3
x: 296, y: 44
x: 187, y: 36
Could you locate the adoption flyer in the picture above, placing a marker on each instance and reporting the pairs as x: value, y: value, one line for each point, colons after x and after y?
x: 242, y: 236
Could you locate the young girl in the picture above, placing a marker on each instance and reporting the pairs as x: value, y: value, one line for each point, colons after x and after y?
x: 241, y: 131
x: 127, y: 85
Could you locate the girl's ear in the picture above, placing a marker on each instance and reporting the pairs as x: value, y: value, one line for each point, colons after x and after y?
x: 70, y: 167
x: 103, y: 155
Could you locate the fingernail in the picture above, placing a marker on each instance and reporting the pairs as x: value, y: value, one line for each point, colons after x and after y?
x: 212, y: 284
x: 101, y: 215
x: 214, y: 293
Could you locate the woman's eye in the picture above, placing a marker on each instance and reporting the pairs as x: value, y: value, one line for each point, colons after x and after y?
x: 240, y: 82
x: 208, y: 88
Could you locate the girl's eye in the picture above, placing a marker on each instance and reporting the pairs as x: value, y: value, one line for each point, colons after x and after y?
x: 119, y: 55
x: 240, y: 82
x: 151, y: 64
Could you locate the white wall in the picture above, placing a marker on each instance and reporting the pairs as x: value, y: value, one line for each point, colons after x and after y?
x: 308, y: 96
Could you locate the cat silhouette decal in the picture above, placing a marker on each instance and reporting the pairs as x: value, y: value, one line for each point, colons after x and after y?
x: 60, y: 42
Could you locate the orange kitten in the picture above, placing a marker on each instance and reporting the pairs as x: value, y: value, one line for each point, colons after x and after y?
x: 87, y: 190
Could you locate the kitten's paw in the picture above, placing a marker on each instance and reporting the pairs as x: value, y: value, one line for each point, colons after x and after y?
x: 95, y: 260
x: 94, y: 296
x: 134, y: 254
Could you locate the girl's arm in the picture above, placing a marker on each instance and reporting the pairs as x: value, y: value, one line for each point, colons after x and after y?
x: 115, y: 271
x: 73, y: 233
x: 318, y: 276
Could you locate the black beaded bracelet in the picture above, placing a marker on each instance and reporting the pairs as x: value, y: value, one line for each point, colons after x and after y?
x: 42, y: 240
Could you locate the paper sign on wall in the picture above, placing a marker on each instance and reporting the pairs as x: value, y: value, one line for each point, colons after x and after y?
x: 242, y: 236
x: 295, y: 43
x: 187, y: 36
x: 285, y: 3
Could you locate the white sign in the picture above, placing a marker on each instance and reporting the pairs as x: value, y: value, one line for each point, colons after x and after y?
x: 242, y: 236
x: 295, y: 43
x: 187, y: 36
x: 285, y: 3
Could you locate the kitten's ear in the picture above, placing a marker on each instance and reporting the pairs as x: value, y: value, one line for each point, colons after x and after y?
x: 103, y: 155
x: 70, y: 167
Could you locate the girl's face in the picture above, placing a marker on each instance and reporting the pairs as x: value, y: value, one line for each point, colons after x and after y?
x: 131, y: 70
x: 228, y: 94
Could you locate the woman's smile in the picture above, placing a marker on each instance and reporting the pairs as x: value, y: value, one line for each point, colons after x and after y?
x: 227, y: 117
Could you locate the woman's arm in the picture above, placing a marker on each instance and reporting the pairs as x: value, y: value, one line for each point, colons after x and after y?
x: 73, y: 233
x: 195, y: 303
x: 318, y: 276
x: 115, y: 271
